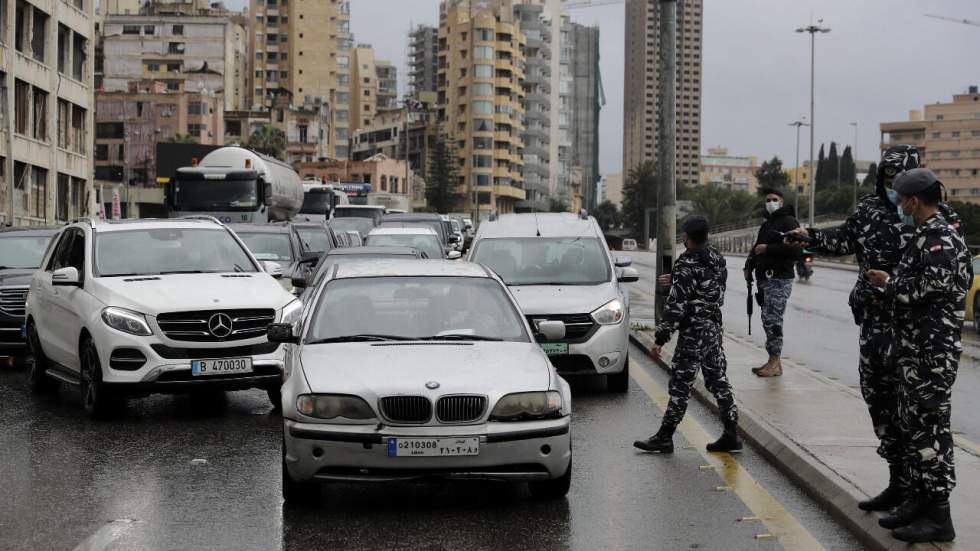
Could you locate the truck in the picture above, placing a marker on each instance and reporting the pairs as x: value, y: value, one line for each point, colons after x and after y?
x: 236, y: 185
x: 319, y: 200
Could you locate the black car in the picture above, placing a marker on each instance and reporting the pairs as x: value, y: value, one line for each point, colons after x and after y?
x: 424, y: 220
x: 21, y: 251
x: 286, y: 244
x: 310, y: 271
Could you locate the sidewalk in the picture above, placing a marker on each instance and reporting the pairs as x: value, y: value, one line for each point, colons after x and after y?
x: 818, y: 432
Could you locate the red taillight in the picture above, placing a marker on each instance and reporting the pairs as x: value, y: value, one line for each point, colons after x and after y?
x: 808, y: 259
x: 194, y: 161
x: 248, y: 163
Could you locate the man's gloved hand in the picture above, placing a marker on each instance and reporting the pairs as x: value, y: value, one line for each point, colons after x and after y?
x: 797, y: 239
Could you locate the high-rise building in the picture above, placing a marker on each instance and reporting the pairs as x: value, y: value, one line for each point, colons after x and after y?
x: 364, y: 88
x: 537, y: 108
x: 643, y: 87
x: 387, y: 85
x: 948, y: 138
x: 481, y: 70
x: 587, y: 99
x: 47, y: 112
x: 423, y: 53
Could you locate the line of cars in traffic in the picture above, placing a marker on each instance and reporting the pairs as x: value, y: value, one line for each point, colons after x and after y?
x: 386, y: 367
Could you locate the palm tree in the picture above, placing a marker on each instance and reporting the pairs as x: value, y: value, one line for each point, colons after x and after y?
x: 269, y: 140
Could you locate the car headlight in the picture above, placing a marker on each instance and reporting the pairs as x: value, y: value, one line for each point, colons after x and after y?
x: 332, y: 406
x: 526, y: 406
x: 291, y: 312
x: 126, y: 321
x: 609, y: 313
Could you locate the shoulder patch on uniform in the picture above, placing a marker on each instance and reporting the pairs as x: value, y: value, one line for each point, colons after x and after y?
x: 935, y: 248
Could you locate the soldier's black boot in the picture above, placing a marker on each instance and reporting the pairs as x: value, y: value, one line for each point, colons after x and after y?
x: 729, y: 441
x: 662, y: 442
x: 935, y: 524
x: 904, y: 514
x: 891, y: 497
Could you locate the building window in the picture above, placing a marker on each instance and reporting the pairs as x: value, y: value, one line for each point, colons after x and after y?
x: 149, y: 30
x: 483, y: 71
x: 194, y: 108
x: 62, y: 199
x: 175, y: 48
x: 935, y: 135
x: 78, y: 56
x: 343, y: 80
x: 258, y: 73
x: 486, y: 35
x: 343, y: 115
x: 196, y: 129
x: 109, y: 131
x: 40, y: 104
x: 343, y: 61
x: 101, y: 152
x: 483, y: 52
x: 483, y: 107
x: 39, y: 34
x: 177, y: 30
x: 956, y: 135
x: 303, y: 134
x: 131, y: 29
x: 343, y: 98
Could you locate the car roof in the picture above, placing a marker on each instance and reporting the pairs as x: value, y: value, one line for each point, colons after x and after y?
x: 375, y: 207
x: 411, y: 268
x: 410, y: 216
x: 546, y: 224
x: 417, y: 230
x: 106, y: 226
x: 29, y: 231
x: 259, y: 228
x: 354, y: 251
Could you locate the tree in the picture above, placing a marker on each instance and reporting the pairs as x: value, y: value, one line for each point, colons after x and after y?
x: 969, y: 220
x: 442, y: 190
x: 268, y: 140
x: 871, y: 177
x: 848, y: 170
x: 607, y: 215
x: 772, y: 175
x: 182, y: 138
x: 639, y: 192
x: 558, y: 204
x: 820, y: 176
x: 833, y: 168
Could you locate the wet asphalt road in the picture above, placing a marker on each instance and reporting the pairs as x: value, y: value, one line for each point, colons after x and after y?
x: 819, y: 331
x: 180, y: 473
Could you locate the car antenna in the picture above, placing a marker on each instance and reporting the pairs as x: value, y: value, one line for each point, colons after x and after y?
x: 537, y: 228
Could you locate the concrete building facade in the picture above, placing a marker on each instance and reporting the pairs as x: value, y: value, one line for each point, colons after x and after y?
x: 387, y: 74
x: 364, y: 88
x: 195, y: 50
x: 643, y: 86
x: 610, y: 188
x: 948, y: 138
x: 306, y: 127
x: 587, y: 100
x: 423, y: 56
x: 46, y: 74
x: 732, y: 172
x: 538, y: 184
x: 386, y: 176
x: 480, y: 82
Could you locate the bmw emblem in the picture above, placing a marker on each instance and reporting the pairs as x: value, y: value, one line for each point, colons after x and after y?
x: 432, y: 385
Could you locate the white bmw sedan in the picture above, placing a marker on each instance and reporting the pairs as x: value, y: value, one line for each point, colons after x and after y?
x: 409, y: 369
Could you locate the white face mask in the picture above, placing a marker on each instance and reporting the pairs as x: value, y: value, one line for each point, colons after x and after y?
x: 773, y: 206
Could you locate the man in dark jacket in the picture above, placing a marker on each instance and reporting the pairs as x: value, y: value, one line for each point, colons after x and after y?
x: 693, y: 310
x: 772, y: 262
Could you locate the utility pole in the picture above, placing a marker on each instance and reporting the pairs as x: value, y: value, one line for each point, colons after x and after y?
x: 813, y: 30
x: 796, y: 192
x: 667, y: 157
x: 855, y: 158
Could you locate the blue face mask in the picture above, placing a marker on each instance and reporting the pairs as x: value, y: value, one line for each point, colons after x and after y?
x: 907, y: 219
x: 892, y: 196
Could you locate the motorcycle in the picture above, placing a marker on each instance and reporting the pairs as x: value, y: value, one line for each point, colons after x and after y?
x: 804, y: 266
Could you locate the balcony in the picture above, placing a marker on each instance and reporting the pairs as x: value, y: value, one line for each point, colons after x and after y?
x: 511, y: 192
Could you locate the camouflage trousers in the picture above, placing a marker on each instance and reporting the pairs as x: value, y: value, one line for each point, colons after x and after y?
x: 880, y: 382
x: 697, y: 349
x: 775, y: 295
x: 924, y: 414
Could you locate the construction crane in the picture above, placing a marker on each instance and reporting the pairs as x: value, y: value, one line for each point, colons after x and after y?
x: 954, y: 19
x: 575, y: 4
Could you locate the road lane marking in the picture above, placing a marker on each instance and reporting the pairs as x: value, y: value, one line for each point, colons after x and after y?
x: 780, y: 522
x: 105, y: 536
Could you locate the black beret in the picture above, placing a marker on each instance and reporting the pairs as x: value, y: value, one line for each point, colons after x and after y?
x: 774, y: 191
x: 914, y: 181
x: 695, y: 224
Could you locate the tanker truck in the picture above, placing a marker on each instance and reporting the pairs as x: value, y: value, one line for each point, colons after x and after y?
x: 236, y: 185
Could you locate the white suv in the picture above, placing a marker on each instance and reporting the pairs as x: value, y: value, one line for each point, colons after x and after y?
x: 138, y: 307
x: 559, y: 268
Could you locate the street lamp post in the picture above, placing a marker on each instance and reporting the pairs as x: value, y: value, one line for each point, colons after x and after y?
x: 855, y: 158
x: 813, y: 30
x: 796, y: 192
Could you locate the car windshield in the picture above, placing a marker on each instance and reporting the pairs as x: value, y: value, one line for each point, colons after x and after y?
x: 434, y: 225
x: 169, y: 250
x: 545, y: 261
x: 23, y: 251
x: 438, y: 308
x: 456, y: 226
x: 315, y: 202
x: 315, y: 239
x: 211, y: 195
x: 354, y: 212
x: 427, y: 243
x: 267, y: 245
x: 360, y: 225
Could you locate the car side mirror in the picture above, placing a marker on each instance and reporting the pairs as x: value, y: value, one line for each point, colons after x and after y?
x: 454, y: 255
x: 550, y: 330
x: 629, y: 275
x: 66, y: 277
x: 454, y: 238
x: 309, y: 256
x: 282, y: 333
x: 272, y: 268
x: 623, y: 261
x: 299, y: 282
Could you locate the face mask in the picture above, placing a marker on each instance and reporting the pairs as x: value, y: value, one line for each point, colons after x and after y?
x: 907, y: 219
x: 893, y: 197
x: 772, y: 206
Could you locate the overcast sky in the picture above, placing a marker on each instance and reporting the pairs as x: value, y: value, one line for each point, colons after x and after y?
x: 882, y: 58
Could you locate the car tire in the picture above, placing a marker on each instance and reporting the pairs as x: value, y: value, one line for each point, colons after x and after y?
x: 37, y: 378
x: 297, y: 492
x: 96, y: 400
x: 976, y: 313
x: 556, y: 488
x: 619, y: 382
x: 275, y: 396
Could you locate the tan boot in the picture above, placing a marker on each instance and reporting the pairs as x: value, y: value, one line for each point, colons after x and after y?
x: 774, y: 369
x: 756, y: 370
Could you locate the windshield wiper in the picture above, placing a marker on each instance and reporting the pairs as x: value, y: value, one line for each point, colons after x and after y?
x: 172, y: 272
x: 460, y: 337
x: 361, y: 338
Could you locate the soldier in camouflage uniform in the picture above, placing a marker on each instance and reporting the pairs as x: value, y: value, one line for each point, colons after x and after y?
x: 929, y: 289
x: 693, y: 309
x: 878, y: 236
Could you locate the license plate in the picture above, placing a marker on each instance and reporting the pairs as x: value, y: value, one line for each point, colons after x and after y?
x: 555, y: 348
x: 433, y: 447
x: 225, y: 366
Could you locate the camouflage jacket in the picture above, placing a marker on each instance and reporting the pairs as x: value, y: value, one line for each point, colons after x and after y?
x: 877, y: 236
x: 930, y: 286
x: 697, y: 292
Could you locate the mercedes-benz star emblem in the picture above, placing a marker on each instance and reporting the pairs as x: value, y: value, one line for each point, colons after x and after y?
x: 432, y: 385
x: 220, y: 325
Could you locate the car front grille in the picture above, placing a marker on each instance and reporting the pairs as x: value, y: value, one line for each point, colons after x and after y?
x: 406, y: 409
x: 578, y: 327
x: 202, y: 326
x: 460, y: 409
x: 13, y: 301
